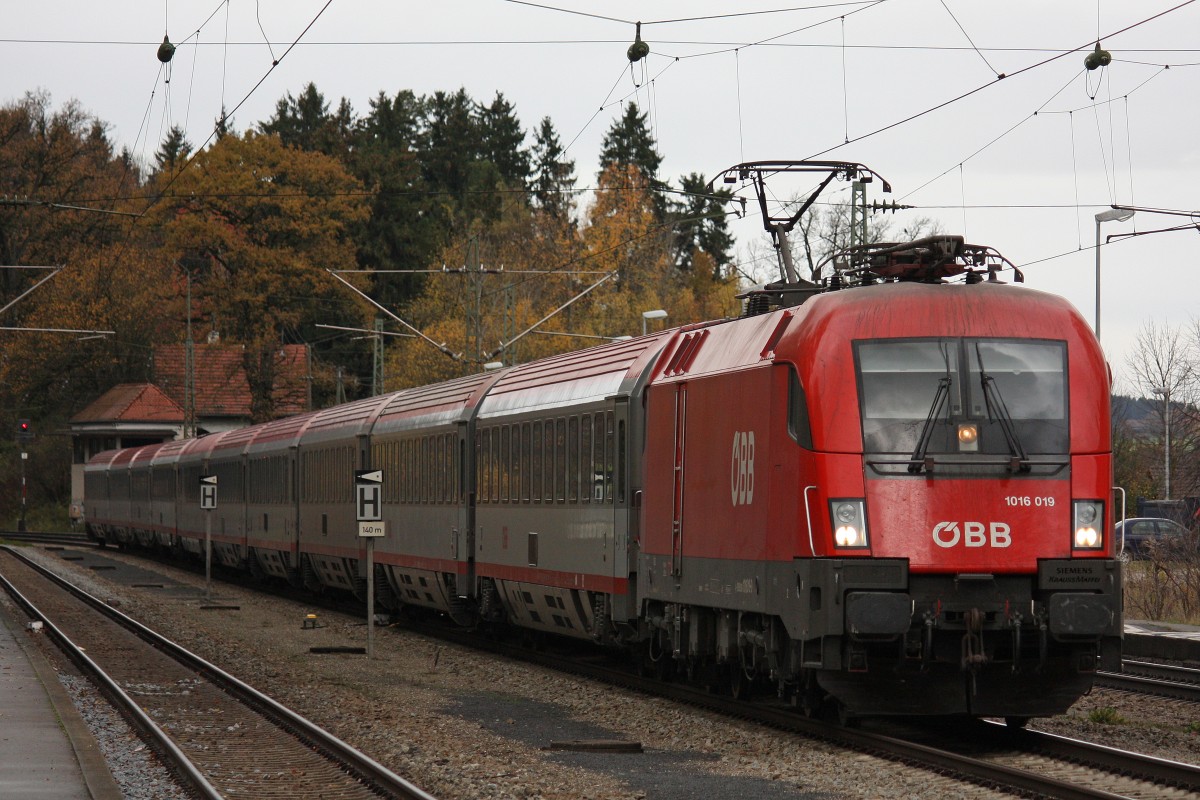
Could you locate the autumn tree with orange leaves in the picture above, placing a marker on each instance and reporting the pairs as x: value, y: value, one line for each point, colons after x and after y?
x: 265, y: 222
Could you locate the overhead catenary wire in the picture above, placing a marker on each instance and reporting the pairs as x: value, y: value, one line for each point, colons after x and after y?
x: 730, y: 15
x: 970, y: 41
x: 992, y: 83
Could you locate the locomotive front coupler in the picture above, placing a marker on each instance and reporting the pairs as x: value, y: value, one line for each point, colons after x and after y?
x: 1015, y: 622
x: 973, y: 654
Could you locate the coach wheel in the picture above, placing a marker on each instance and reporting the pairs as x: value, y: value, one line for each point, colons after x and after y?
x: 1016, y: 723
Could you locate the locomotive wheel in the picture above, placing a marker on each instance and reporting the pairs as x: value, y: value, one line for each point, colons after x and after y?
x: 1016, y: 723
x: 739, y: 684
x: 843, y: 716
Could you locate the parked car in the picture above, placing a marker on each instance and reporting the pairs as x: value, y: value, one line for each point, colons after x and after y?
x: 1139, y: 532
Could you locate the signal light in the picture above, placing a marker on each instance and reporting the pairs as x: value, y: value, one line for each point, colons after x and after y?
x: 24, y: 431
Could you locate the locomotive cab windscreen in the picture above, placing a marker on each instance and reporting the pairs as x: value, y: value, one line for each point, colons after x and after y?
x: 964, y: 400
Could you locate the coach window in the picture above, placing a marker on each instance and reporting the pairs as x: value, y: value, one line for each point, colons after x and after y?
x: 560, y: 460
x: 596, y: 467
x: 480, y: 469
x: 525, y: 459
x: 485, y: 474
x: 551, y: 477
x: 491, y: 442
x: 610, y: 455
x: 535, y: 461
x: 573, y: 460
x: 447, y: 468
x: 585, y: 458
x: 621, y: 461
x: 547, y: 463
x: 447, y: 447
x: 505, y: 455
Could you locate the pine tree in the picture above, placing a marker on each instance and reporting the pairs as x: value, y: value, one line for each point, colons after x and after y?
x: 305, y: 122
x: 702, y: 224
x: 629, y: 142
x: 553, y: 173
x: 502, y: 141
x: 174, y: 151
x: 404, y: 230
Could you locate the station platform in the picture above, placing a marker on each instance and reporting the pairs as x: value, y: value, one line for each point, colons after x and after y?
x: 1163, y: 640
x: 46, y: 750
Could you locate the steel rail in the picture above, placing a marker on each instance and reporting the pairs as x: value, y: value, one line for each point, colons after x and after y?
x: 790, y: 720
x: 364, y: 767
x: 177, y: 761
x: 1152, y: 684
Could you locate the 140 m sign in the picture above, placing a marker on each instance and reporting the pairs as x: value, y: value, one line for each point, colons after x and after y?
x: 741, y: 471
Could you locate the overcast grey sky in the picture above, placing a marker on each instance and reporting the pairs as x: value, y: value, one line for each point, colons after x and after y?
x: 1022, y: 164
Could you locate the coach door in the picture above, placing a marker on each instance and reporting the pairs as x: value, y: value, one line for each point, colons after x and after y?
x: 677, y: 494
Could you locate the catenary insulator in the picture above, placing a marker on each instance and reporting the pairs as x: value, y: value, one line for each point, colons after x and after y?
x: 166, y: 50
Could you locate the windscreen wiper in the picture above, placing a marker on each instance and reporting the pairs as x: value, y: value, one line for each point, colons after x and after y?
x: 998, y: 410
x: 917, y: 462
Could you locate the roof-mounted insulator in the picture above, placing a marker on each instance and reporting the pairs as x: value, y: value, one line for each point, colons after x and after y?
x: 639, y: 49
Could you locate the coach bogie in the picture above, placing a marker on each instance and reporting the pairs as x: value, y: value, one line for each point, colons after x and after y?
x: 548, y: 608
x: 423, y: 588
x: 275, y: 563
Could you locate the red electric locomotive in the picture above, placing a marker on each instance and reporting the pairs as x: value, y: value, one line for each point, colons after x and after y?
x: 889, y: 493
x: 893, y: 494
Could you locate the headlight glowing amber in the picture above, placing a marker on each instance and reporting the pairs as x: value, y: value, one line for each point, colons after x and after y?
x: 968, y: 437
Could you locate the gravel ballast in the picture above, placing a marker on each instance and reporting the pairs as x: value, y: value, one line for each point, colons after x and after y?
x: 462, y: 724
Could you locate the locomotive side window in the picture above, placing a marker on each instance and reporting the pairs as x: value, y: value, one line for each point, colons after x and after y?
x: 920, y: 395
x: 798, y: 425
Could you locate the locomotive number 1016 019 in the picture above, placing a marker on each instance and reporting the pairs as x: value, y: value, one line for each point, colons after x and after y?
x: 1027, y: 501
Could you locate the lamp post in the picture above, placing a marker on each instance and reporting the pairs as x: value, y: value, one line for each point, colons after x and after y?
x: 657, y: 313
x: 1165, y: 393
x: 1112, y: 215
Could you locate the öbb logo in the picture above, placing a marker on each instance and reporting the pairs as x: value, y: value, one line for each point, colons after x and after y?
x: 972, y: 534
x: 741, y: 474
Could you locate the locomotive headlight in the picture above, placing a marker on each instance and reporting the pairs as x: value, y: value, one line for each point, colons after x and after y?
x: 849, y: 519
x: 968, y: 437
x: 1088, y: 523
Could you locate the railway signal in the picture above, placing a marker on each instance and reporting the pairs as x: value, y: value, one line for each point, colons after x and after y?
x: 24, y: 430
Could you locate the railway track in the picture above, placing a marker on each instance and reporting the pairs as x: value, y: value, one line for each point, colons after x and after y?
x: 1162, y: 680
x: 1024, y: 762
x: 221, y: 737
x: 47, y: 537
